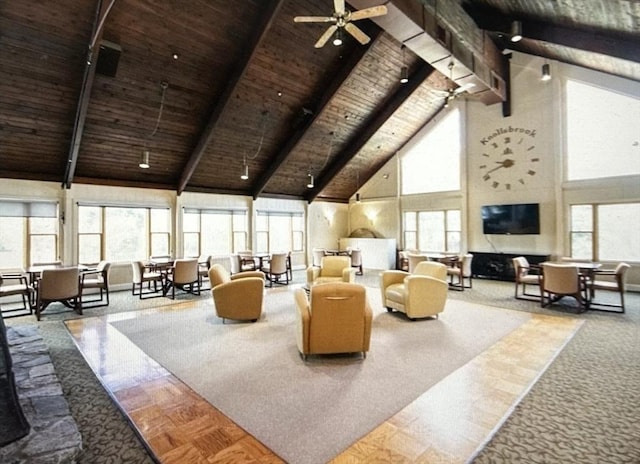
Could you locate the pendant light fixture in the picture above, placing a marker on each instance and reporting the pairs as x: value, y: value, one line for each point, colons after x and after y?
x: 310, y: 181
x: 144, y: 156
x: 516, y: 31
x: 404, y: 71
x: 546, y: 72
x: 244, y: 175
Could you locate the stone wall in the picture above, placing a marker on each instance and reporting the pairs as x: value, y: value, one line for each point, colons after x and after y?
x: 54, y: 435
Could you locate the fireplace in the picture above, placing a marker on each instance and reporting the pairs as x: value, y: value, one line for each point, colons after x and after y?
x: 13, y: 424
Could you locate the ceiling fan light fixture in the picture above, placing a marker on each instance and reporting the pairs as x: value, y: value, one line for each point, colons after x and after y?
x: 144, y: 160
x: 337, y: 40
x: 516, y: 31
x: 245, y: 172
x: 546, y: 72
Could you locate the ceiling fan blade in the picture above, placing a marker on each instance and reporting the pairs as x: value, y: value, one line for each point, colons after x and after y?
x: 357, y: 33
x: 338, y: 6
x: 324, y: 37
x: 368, y: 13
x: 314, y: 19
x: 464, y: 88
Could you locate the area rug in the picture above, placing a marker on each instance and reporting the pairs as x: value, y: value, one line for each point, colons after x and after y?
x: 310, y: 412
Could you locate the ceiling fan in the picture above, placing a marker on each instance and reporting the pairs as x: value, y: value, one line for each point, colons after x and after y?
x: 452, y: 94
x: 343, y: 19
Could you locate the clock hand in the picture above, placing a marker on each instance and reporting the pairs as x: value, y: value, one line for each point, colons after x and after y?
x: 503, y: 164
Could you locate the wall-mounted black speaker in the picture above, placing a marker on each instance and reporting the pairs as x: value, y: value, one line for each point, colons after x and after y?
x: 108, y: 58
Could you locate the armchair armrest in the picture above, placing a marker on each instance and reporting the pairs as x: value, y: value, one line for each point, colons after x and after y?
x: 312, y: 274
x: 303, y: 318
x: 349, y: 275
x: 246, y: 274
x: 392, y: 277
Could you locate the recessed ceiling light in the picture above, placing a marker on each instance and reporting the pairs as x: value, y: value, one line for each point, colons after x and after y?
x: 175, y: 56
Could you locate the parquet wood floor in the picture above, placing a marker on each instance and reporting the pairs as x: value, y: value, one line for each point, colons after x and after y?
x: 449, y: 423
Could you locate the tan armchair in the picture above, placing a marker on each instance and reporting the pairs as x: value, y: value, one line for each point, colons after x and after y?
x: 144, y: 275
x: 525, y: 275
x: 97, y: 280
x: 237, y: 296
x: 184, y: 274
x: 414, y: 260
x: 14, y: 283
x: 560, y: 280
x: 61, y: 285
x: 276, y: 269
x: 422, y: 293
x: 613, y: 280
x: 332, y: 269
x: 459, y: 270
x: 335, y: 318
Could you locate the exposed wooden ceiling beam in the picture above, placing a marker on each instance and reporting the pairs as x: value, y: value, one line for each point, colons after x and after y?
x: 85, y: 93
x: 266, y: 19
x: 611, y: 44
x: 334, y: 86
x: 380, y: 117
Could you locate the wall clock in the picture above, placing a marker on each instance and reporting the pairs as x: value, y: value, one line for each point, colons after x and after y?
x: 508, y: 161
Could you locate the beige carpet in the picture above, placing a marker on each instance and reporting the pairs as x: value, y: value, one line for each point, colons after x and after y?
x: 310, y: 412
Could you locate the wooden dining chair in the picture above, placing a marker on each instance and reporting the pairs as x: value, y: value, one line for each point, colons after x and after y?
x: 59, y: 285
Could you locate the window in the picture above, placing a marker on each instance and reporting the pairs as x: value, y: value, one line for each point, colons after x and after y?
x: 607, y: 232
x: 433, y: 231
x: 279, y: 232
x: 433, y: 163
x: 116, y: 233
x: 602, y: 132
x: 28, y: 233
x: 214, y: 231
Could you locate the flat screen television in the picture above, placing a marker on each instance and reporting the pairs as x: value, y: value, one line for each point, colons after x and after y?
x: 518, y: 219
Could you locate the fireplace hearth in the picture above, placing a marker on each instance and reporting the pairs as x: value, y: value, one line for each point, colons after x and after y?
x: 13, y: 423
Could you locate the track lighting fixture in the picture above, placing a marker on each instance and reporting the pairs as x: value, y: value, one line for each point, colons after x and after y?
x: 144, y: 159
x: 404, y: 71
x: 516, y: 31
x: 337, y: 40
x: 310, y: 181
x: 546, y: 72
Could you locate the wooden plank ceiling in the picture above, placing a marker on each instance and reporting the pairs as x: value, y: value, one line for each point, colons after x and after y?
x: 206, y: 86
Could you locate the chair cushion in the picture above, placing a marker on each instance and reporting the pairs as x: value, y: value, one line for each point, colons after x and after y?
x: 396, y: 293
x: 327, y: 280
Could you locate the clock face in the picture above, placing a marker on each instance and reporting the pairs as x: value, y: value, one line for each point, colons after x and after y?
x: 508, y: 162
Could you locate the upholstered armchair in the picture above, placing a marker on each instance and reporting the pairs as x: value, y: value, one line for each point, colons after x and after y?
x: 61, y: 285
x: 414, y: 260
x: 612, y: 280
x: 525, y: 275
x: 97, y: 280
x: 276, y: 269
x: 422, y: 293
x: 332, y: 269
x: 237, y: 296
x: 334, y: 318
x: 184, y: 274
x: 141, y: 274
x: 459, y: 270
x: 16, y: 282
x: 560, y: 280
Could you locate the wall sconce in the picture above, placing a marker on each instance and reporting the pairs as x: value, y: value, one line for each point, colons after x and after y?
x: 310, y: 181
x: 516, y: 31
x: 144, y: 159
x: 358, y: 197
x: 546, y: 72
